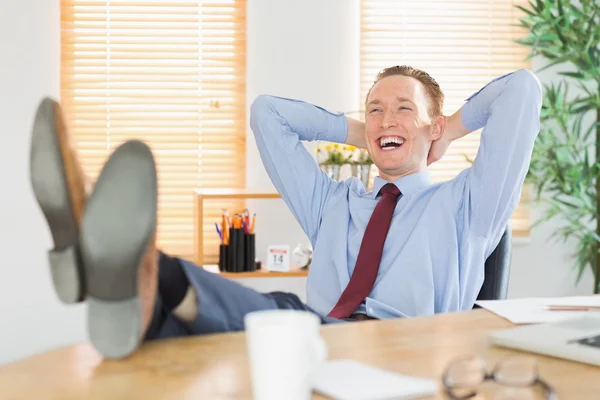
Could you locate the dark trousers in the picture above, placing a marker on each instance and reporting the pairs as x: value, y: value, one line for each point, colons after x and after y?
x: 222, y: 305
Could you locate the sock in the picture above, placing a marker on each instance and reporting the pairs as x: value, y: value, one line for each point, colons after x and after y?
x: 172, y: 281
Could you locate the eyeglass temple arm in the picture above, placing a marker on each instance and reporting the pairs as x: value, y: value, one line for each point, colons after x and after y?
x: 465, y: 397
x: 550, y: 394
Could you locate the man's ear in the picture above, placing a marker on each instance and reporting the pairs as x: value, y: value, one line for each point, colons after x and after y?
x: 438, y: 125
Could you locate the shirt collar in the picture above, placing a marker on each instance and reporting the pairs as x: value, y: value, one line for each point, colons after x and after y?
x: 407, y: 184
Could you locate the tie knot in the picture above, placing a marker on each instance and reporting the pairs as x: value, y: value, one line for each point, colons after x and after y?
x: 390, y: 188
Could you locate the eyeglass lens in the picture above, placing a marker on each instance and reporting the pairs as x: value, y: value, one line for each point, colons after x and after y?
x: 465, y: 375
x: 516, y: 371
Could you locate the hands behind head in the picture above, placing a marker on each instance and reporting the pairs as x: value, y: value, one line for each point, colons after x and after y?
x: 453, y: 129
x: 438, y: 149
x: 439, y: 146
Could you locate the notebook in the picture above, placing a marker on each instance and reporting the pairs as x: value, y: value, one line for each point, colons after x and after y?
x: 353, y: 380
x: 532, y: 310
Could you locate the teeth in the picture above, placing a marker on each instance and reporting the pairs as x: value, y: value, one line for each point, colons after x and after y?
x: 387, y: 140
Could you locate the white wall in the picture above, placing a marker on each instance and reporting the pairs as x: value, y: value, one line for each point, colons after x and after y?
x: 31, y: 318
x: 306, y: 50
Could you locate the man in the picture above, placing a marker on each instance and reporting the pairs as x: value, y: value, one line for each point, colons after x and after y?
x: 409, y: 248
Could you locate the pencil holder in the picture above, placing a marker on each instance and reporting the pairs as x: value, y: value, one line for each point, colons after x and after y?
x: 232, y: 250
x: 223, y: 257
x: 239, y: 251
x: 250, y: 252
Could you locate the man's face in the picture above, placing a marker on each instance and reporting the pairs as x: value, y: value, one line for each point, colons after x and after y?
x: 398, y: 129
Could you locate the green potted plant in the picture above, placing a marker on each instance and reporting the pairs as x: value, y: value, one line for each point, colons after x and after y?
x: 566, y: 158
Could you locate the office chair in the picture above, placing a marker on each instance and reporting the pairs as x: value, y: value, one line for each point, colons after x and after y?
x: 497, y: 270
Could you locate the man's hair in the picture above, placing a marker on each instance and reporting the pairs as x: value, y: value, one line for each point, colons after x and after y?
x: 432, y: 90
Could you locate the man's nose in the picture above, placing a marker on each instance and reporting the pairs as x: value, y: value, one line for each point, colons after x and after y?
x: 388, y: 120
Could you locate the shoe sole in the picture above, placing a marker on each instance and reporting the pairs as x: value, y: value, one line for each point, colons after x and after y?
x: 53, y: 193
x: 119, y: 222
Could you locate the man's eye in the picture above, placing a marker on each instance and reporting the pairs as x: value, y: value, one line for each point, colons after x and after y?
x: 374, y: 110
x: 405, y: 108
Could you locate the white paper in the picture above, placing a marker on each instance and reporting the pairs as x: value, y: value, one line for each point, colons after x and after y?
x: 531, y: 310
x: 352, y: 380
x: 214, y: 268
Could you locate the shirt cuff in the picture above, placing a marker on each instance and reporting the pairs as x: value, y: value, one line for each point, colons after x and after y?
x: 476, y: 110
x: 337, y: 131
x: 472, y: 116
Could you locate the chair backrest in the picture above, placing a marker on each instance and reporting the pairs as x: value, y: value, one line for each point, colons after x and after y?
x: 497, y: 269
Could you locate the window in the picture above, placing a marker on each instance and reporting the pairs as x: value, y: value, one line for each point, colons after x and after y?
x: 463, y: 44
x: 171, y: 74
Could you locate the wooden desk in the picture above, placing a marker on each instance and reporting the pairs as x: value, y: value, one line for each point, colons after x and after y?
x: 216, y: 366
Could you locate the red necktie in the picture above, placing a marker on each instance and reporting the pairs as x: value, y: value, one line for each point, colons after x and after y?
x: 369, y: 256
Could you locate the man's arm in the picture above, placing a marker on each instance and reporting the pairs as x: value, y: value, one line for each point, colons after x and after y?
x: 356, y: 134
x: 279, y: 125
x: 508, y: 109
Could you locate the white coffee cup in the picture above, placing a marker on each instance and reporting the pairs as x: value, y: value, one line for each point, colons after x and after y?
x: 284, y: 350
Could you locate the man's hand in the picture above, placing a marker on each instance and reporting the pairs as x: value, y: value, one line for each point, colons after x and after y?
x: 356, y: 133
x: 438, y: 149
x: 453, y: 129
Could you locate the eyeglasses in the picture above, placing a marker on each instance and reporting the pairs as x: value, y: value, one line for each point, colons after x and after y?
x: 464, y: 375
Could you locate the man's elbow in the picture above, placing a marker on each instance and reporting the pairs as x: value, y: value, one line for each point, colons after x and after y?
x: 529, y: 84
x: 259, y: 110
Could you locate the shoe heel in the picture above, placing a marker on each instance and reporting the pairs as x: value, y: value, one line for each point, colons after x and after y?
x: 66, y: 276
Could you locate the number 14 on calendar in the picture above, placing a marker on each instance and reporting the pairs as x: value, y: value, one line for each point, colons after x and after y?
x: 278, y: 258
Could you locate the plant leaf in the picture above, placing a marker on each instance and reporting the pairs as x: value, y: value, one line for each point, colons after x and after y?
x: 526, y: 11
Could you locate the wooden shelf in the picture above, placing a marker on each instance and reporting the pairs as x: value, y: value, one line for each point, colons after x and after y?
x: 261, y: 273
x: 221, y: 194
x: 236, y: 194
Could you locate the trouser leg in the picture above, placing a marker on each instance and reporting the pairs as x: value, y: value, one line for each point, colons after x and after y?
x: 222, y: 305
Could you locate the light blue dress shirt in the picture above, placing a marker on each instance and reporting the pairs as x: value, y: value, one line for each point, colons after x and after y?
x: 440, y: 234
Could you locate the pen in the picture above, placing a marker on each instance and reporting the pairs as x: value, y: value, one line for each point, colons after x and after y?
x: 571, y: 308
x: 245, y: 215
x: 219, y: 232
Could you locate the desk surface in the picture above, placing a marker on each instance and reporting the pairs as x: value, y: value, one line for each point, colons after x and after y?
x: 216, y: 366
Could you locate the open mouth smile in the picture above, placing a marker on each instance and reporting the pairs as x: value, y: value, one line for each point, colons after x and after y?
x: 390, y: 143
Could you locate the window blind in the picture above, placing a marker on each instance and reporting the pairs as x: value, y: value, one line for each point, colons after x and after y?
x: 170, y: 73
x: 463, y: 44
